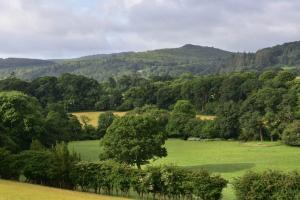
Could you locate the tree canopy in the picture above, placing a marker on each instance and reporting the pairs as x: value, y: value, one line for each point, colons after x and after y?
x: 134, y: 140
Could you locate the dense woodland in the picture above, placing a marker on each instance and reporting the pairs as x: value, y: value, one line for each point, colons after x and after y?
x: 248, y: 105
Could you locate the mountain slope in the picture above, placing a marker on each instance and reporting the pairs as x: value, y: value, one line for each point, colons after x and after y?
x: 23, y: 62
x: 172, y: 61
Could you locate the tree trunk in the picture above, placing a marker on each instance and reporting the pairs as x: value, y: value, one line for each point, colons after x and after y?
x: 261, y: 135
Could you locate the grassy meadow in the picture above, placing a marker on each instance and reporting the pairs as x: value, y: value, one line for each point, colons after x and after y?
x: 227, y: 158
x: 93, y: 116
x: 10, y: 190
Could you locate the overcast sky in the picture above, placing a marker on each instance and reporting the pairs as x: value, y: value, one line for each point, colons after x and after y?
x: 71, y: 28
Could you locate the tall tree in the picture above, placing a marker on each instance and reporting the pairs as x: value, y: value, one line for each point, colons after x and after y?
x: 227, y: 120
x: 104, y: 121
x: 134, y: 140
x: 183, y: 111
x: 22, y: 117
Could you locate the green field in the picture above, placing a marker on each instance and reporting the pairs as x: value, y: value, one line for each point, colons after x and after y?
x: 10, y: 190
x: 227, y: 158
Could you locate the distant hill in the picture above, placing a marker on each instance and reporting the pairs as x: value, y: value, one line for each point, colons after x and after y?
x: 23, y: 62
x: 172, y: 61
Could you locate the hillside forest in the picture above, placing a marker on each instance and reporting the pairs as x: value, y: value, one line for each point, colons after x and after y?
x: 199, y: 60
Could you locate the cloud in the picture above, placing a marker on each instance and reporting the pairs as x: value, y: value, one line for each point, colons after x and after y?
x: 69, y: 28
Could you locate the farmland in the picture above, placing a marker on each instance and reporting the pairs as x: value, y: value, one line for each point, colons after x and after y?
x: 93, y: 116
x: 227, y: 158
x: 21, y: 191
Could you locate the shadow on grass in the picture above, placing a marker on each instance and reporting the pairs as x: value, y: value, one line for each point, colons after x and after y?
x: 223, y: 168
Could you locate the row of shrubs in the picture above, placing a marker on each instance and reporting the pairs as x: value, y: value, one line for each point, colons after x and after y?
x: 157, y: 181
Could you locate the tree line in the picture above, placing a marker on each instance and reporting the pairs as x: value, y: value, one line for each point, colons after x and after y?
x: 247, y: 105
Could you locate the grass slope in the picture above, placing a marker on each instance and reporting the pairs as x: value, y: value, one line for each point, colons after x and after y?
x: 227, y: 158
x: 10, y: 190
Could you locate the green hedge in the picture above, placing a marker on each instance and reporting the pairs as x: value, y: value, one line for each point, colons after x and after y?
x: 165, y: 181
x: 268, y: 185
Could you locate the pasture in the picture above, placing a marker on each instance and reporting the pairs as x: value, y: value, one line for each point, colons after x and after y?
x: 93, y: 116
x: 227, y: 158
x: 10, y: 190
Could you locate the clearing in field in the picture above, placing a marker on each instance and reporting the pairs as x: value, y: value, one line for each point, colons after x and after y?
x: 10, y: 190
x: 228, y: 158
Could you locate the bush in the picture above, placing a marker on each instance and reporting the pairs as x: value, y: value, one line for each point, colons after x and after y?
x: 37, y: 166
x: 102, y: 175
x: 208, y: 187
x: 9, y: 169
x: 170, y: 181
x: 291, y: 134
x: 203, y: 129
x: 268, y: 185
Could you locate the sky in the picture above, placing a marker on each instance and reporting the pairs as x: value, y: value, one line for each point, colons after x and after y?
x: 72, y: 28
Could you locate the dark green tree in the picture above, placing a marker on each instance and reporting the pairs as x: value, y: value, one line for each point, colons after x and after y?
x: 22, y: 117
x: 104, y: 121
x: 183, y: 111
x: 291, y: 134
x: 227, y: 121
x: 134, y: 140
x: 252, y: 126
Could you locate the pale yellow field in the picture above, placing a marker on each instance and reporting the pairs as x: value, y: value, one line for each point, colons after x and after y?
x: 10, y: 190
x: 206, y: 117
x: 93, y: 116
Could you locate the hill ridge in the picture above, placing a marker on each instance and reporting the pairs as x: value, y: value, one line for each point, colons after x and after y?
x: 196, y: 59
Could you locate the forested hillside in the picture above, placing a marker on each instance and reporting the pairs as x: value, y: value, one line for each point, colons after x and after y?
x: 188, y: 58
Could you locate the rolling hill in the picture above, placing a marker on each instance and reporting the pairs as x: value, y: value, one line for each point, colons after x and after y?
x: 173, y: 61
x: 10, y: 190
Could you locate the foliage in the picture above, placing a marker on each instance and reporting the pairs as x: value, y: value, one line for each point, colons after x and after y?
x: 160, y: 115
x: 268, y: 185
x: 247, y: 105
x: 171, y: 181
x: 206, y: 186
x: 183, y: 111
x: 134, y: 140
x: 291, y: 134
x: 227, y: 122
x: 202, y: 129
x: 47, y: 167
x: 21, y: 117
x: 104, y: 121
